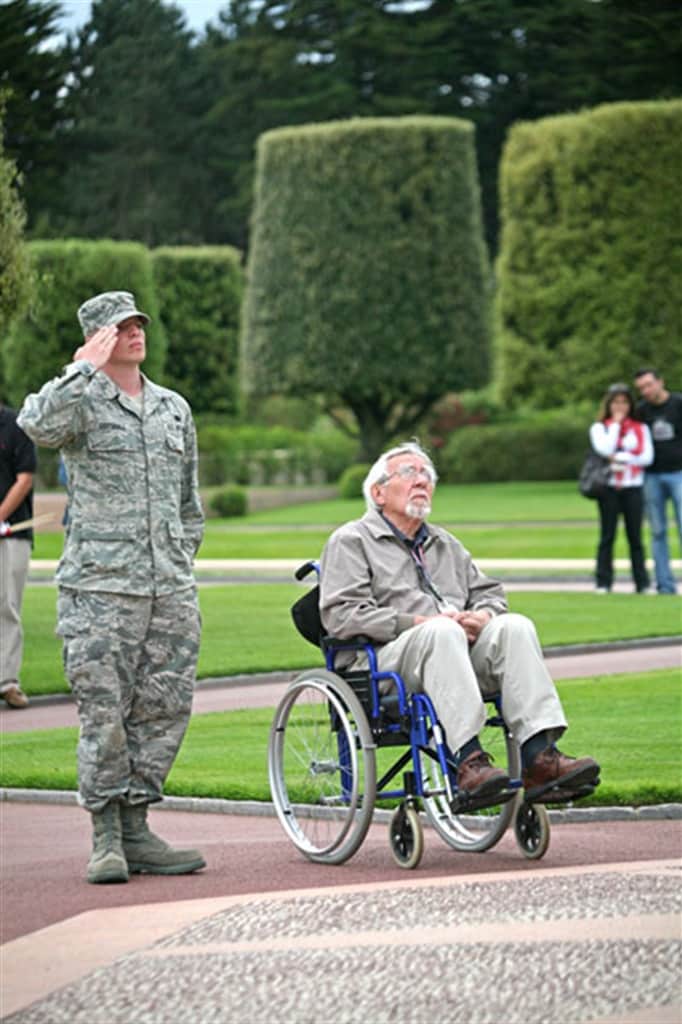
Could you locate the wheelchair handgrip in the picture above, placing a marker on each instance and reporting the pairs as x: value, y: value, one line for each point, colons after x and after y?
x: 304, y: 570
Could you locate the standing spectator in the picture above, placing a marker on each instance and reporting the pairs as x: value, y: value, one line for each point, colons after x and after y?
x: 661, y: 410
x: 627, y: 444
x: 127, y: 608
x: 17, y: 466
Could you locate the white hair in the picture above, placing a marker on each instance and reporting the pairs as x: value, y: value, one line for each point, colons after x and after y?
x: 380, y: 472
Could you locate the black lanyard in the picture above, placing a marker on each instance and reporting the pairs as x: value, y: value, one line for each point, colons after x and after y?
x: 417, y: 551
x: 415, y: 546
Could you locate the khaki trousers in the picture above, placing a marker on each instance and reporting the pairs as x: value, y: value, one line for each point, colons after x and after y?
x: 15, y: 555
x: 435, y: 658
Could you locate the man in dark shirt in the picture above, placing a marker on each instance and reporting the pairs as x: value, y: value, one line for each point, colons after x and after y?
x: 17, y: 466
x: 661, y: 410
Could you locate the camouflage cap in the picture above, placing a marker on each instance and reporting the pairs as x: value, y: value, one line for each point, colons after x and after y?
x: 106, y: 309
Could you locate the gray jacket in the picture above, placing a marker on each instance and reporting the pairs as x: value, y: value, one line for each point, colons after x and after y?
x: 135, y: 518
x: 370, y: 584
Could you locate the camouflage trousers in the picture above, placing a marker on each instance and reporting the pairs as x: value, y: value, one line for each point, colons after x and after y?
x: 131, y: 665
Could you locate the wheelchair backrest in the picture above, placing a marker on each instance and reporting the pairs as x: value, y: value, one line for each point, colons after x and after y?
x: 306, y: 615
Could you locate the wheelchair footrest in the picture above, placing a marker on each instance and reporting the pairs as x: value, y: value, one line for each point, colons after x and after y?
x: 462, y: 803
x: 558, y: 795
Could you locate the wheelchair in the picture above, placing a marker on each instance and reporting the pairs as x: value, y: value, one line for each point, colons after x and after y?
x: 327, y: 745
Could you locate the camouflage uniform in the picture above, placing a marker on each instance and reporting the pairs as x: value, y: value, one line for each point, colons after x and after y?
x: 127, y: 609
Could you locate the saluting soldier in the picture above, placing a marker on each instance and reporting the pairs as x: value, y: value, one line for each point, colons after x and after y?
x: 127, y: 604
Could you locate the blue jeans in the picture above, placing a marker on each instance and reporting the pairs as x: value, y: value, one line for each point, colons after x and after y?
x: 658, y: 488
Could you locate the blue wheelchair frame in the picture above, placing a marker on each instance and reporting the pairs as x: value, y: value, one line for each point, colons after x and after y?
x: 414, y: 722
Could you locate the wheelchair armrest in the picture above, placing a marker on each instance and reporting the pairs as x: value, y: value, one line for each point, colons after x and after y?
x: 354, y: 643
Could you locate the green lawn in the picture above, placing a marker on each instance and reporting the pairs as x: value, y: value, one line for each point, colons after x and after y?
x: 247, y: 627
x: 630, y: 723
x: 228, y: 540
x: 458, y: 503
x: 510, y: 520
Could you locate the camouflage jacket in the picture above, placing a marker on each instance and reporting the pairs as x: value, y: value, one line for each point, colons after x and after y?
x: 135, y: 518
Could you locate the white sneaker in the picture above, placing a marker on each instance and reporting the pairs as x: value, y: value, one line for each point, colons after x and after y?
x: 602, y: 590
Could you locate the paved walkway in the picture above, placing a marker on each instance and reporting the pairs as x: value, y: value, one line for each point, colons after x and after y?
x: 591, y: 934
x: 594, y: 942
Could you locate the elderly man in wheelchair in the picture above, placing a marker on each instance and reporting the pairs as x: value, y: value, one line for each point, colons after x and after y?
x: 431, y: 623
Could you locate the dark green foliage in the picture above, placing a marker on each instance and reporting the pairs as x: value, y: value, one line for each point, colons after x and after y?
x: 493, y: 63
x: 352, y: 479
x: 67, y: 273
x: 32, y: 73
x: 229, y: 502
x: 368, y: 277
x: 200, y: 293
x: 590, y: 263
x: 113, y: 134
x: 15, y: 277
x: 133, y: 120
x: 549, y: 448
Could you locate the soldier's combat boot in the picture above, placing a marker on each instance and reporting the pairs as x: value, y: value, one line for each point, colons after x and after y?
x: 147, y: 854
x: 107, y: 863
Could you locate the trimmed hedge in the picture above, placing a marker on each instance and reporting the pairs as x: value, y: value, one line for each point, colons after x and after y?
x: 352, y: 479
x: 200, y: 293
x: 368, y: 274
x: 590, y: 263
x: 548, y: 448
x: 229, y: 502
x: 15, y: 278
x: 66, y: 273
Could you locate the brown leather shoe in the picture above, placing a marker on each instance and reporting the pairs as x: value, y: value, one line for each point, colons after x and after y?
x: 476, y: 776
x: 553, y: 770
x: 15, y: 697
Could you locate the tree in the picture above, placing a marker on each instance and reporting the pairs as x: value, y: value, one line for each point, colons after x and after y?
x: 32, y: 75
x: 145, y: 126
x: 368, y: 277
x: 133, y: 105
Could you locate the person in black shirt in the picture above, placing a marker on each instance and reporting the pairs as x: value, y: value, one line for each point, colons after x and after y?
x: 661, y: 410
x: 17, y: 466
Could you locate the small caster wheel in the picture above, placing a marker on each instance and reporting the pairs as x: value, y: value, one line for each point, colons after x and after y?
x: 531, y: 828
x: 406, y: 837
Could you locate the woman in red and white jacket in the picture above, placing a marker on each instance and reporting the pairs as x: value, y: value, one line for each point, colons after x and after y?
x: 627, y: 444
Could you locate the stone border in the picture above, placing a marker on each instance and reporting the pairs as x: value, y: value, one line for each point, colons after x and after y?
x: 256, y: 808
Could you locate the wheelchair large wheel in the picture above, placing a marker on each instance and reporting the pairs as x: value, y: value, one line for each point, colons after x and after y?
x: 473, y: 831
x: 322, y: 767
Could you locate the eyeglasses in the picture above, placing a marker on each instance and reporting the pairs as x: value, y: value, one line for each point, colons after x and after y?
x: 410, y: 472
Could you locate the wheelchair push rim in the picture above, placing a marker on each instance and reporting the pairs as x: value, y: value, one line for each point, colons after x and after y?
x: 322, y: 767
